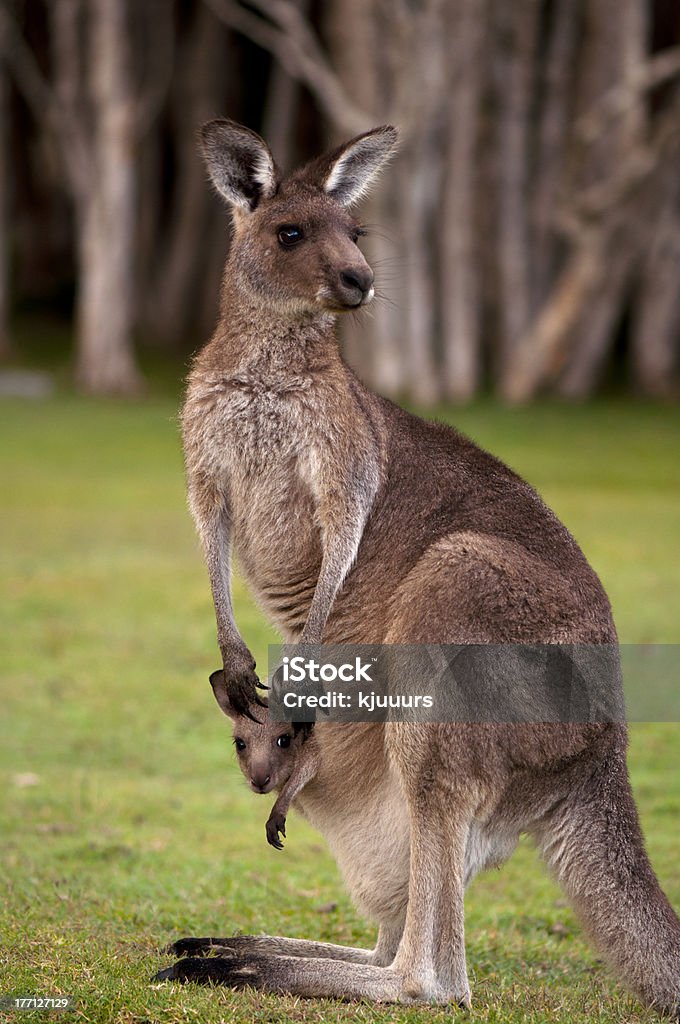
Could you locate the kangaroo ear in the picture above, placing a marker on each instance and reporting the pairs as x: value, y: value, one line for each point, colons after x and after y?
x: 348, y: 172
x: 220, y: 690
x: 239, y: 163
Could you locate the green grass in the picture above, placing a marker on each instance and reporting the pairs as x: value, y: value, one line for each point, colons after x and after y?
x: 138, y: 828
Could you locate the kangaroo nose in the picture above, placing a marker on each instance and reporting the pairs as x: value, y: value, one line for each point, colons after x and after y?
x: 360, y: 278
x: 260, y: 781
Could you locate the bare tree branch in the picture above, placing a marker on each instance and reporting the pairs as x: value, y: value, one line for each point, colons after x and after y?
x: 658, y: 70
x: 581, y: 361
x: 655, y: 333
x: 540, y: 348
x: 552, y: 137
x: 458, y: 259
x: 44, y: 102
x: 640, y: 162
x: 281, y: 109
x: 294, y: 44
x: 517, y: 28
x: 159, y: 66
x: 27, y: 75
x: 633, y: 194
x: 75, y: 138
x: 67, y: 57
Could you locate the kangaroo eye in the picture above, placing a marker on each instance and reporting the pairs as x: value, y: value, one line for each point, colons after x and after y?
x: 358, y: 233
x: 239, y: 743
x: 283, y: 741
x: 289, y: 235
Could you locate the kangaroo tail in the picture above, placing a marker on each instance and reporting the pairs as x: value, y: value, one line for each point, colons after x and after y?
x: 593, y: 842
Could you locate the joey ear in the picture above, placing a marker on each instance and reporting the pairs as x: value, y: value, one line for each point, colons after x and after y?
x: 239, y: 163
x: 219, y: 686
x: 348, y: 173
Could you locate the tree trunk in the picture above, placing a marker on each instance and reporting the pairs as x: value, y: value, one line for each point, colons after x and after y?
x: 5, y: 338
x: 183, y: 254
x: 280, y: 109
x: 350, y: 26
x: 389, y: 248
x: 557, y: 86
x: 517, y: 30
x: 595, y: 332
x: 617, y: 48
x: 383, y: 333
x: 545, y: 347
x: 420, y: 46
x: 655, y: 331
x: 655, y: 341
x: 151, y: 216
x: 106, y: 363
x: 418, y: 189
x: 459, y: 290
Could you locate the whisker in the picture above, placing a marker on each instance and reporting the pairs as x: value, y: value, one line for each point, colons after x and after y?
x: 390, y: 278
x: 380, y: 297
x: 380, y: 231
x: 396, y: 263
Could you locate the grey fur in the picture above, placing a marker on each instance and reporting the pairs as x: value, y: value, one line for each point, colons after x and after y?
x: 267, y: 762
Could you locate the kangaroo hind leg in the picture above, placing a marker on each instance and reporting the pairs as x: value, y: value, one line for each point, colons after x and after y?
x: 431, y: 954
x: 592, y: 841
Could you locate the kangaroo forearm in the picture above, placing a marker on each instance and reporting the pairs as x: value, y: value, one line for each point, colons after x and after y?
x: 334, y: 569
x: 345, y: 490
x: 303, y: 773
x: 236, y: 688
x: 219, y: 571
x: 339, y: 556
x: 211, y: 516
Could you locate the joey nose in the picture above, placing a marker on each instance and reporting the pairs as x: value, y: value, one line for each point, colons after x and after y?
x: 260, y: 781
x: 357, y: 283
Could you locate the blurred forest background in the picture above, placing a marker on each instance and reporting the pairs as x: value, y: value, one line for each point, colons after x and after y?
x: 526, y: 241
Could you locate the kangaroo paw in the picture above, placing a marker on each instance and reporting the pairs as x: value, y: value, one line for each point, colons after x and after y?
x: 196, y: 947
x: 217, y: 970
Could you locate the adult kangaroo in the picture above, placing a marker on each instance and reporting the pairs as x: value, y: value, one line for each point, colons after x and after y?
x: 355, y: 521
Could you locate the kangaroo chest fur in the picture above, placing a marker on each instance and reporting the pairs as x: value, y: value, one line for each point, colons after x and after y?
x: 263, y: 435
x: 261, y: 461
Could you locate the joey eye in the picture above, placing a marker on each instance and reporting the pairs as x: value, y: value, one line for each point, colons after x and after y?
x: 289, y: 235
x: 283, y: 741
x: 358, y: 233
x: 239, y: 743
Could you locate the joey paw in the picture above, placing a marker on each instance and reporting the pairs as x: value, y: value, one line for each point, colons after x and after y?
x: 276, y: 824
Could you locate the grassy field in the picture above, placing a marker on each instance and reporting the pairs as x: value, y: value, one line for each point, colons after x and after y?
x: 124, y: 822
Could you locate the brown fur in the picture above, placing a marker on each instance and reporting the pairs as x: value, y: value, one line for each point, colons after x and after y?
x: 356, y: 521
x: 272, y: 756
